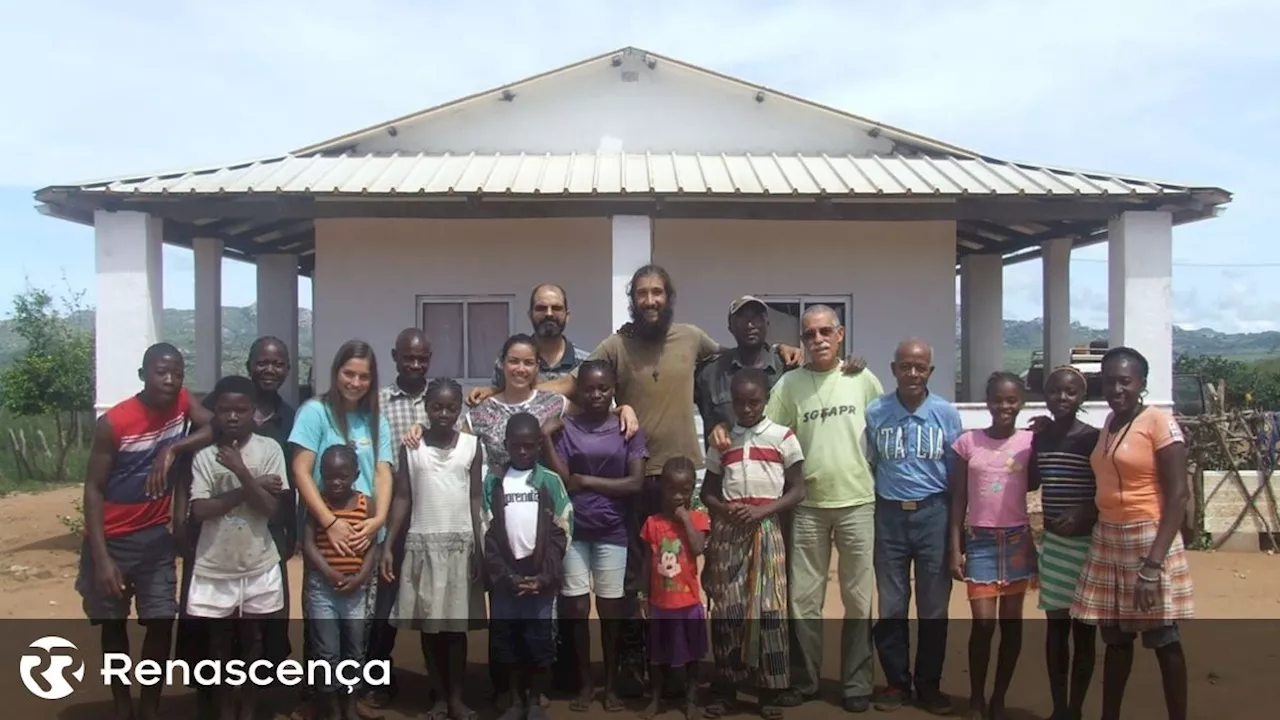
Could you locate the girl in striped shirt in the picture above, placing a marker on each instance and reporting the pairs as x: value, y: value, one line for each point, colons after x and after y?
x: 335, y: 591
x: 1060, y: 468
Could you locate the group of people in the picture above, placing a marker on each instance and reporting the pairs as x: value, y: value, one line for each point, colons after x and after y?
x: 420, y: 506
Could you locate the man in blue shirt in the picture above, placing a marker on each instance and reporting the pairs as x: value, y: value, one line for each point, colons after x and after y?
x: 910, y: 432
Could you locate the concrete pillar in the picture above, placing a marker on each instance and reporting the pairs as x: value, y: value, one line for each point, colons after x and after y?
x: 319, y: 370
x: 129, y: 318
x: 278, y: 308
x: 981, y: 321
x: 1056, y: 260
x: 208, y: 320
x: 1140, y: 298
x: 632, y: 249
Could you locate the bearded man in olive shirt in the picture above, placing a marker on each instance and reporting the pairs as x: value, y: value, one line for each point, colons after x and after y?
x: 654, y: 358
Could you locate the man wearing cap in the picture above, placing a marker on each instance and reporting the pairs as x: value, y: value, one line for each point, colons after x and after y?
x: 749, y: 325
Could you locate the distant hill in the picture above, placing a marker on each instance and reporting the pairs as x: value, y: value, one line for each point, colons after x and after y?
x: 1022, y: 337
x: 240, y: 327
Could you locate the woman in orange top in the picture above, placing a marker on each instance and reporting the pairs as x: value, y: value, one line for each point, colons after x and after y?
x: 1136, y: 579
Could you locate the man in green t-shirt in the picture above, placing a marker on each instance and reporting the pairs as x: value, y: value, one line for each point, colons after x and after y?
x: 827, y: 410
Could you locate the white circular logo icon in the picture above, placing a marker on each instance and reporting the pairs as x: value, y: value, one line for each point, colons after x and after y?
x: 51, y: 682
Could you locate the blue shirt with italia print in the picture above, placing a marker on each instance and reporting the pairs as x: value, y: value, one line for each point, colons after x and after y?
x: 911, y: 451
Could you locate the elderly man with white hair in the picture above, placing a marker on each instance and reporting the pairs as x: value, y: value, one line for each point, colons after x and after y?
x: 827, y: 410
x: 910, y: 432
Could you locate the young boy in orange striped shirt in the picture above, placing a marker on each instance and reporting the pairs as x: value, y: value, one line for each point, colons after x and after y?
x: 336, y: 589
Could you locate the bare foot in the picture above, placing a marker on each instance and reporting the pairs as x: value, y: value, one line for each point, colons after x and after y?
x: 517, y: 711
x: 582, y: 703
x: 613, y: 703
x: 692, y: 711
x: 458, y: 710
x: 653, y: 708
x: 439, y: 711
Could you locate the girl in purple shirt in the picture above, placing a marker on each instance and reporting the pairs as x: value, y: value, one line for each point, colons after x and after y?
x: 601, y: 470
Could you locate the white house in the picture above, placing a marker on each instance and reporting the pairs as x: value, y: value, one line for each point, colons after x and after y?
x: 448, y: 217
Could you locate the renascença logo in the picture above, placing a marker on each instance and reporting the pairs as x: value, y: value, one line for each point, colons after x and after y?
x: 55, y: 686
x: 51, y: 683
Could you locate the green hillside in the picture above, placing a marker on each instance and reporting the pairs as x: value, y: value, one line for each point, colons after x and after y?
x: 1021, y: 338
x: 239, y: 328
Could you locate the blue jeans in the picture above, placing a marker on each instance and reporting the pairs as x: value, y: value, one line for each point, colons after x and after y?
x: 905, y: 536
x: 522, y: 629
x: 338, y: 626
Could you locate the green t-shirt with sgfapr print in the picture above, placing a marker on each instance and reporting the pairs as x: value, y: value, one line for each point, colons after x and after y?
x: 828, y: 412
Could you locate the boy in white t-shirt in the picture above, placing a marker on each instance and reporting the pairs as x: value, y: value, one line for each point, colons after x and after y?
x: 236, y: 582
x: 530, y: 526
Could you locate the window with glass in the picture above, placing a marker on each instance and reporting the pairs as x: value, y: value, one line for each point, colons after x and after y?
x: 466, y: 333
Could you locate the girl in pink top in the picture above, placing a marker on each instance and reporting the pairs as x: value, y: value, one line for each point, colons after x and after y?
x: 991, y: 547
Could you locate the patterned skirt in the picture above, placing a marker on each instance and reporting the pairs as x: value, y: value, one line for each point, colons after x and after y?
x: 998, y: 561
x: 1061, y: 561
x: 746, y: 580
x: 1104, y: 594
x: 438, y: 593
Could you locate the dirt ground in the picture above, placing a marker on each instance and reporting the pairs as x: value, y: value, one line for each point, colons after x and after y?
x: 1233, y: 647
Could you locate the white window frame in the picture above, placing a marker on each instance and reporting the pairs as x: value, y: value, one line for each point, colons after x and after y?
x: 804, y: 301
x: 421, y: 301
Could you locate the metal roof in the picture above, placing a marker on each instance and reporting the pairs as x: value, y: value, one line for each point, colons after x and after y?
x: 636, y: 174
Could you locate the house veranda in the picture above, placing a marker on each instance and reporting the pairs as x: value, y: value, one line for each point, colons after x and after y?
x: 446, y: 219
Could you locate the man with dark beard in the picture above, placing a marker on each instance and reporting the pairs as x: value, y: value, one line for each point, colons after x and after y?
x: 549, y: 315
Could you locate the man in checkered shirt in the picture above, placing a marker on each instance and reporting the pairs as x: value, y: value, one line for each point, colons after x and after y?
x: 404, y: 405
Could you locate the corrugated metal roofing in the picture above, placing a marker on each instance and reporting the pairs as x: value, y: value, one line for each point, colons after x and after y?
x: 648, y: 174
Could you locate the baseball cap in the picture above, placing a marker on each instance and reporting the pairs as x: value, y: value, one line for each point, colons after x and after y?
x: 744, y: 301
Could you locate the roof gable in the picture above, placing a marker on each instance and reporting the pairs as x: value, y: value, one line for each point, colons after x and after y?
x: 632, y: 100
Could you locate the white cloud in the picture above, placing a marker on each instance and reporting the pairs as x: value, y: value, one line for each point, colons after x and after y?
x: 108, y: 89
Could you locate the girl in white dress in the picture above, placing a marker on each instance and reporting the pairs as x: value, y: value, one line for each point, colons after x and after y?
x: 437, y: 501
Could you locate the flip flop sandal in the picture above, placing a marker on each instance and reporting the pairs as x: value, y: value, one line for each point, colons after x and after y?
x: 580, y: 704
x: 717, y: 706
x: 771, y: 712
x: 613, y: 705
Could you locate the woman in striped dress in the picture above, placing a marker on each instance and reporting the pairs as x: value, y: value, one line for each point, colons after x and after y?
x: 1136, y: 579
x: 1060, y: 468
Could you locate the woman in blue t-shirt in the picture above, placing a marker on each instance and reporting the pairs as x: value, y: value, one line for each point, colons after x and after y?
x: 346, y: 414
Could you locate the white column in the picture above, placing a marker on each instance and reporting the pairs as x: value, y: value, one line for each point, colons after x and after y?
x: 1140, y: 302
x: 1056, y: 261
x: 981, y: 321
x: 208, y: 286
x: 632, y: 249
x: 129, y: 316
x: 278, y: 308
x: 318, y: 370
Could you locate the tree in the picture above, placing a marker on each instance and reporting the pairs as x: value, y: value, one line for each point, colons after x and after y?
x: 1252, y: 385
x: 54, y: 377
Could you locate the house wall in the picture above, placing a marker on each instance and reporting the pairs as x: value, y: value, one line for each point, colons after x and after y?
x: 900, y: 276
x: 665, y: 109
x: 369, y: 273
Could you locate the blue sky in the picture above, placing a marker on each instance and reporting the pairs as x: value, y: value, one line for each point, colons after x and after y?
x: 1176, y: 91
